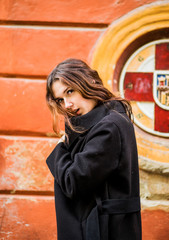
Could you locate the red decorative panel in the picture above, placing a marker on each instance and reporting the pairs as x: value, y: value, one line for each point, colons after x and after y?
x: 161, y: 119
x: 138, y: 86
x: 162, y: 56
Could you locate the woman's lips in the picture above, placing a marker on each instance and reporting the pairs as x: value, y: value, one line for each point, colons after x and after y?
x: 77, y: 111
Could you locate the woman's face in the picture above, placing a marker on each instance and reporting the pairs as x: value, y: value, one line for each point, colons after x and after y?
x: 71, y: 100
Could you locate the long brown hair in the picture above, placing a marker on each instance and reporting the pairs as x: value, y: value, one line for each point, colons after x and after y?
x: 80, y: 77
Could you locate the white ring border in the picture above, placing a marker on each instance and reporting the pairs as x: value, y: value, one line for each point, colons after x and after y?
x: 121, y: 86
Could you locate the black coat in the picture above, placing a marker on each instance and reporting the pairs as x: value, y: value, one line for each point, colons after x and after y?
x: 97, y: 178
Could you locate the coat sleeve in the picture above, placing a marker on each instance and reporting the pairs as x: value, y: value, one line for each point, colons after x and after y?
x: 91, y: 167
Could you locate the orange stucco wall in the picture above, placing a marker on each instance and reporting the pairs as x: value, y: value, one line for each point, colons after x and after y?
x: 34, y: 37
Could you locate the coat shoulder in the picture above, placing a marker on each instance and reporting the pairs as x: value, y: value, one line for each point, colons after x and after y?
x: 115, y: 118
x: 115, y: 123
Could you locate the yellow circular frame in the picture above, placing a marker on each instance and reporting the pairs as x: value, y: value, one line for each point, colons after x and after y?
x: 123, y: 32
x: 119, y: 35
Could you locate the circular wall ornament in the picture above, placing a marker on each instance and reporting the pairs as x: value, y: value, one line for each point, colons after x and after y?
x: 120, y: 41
x: 145, y: 81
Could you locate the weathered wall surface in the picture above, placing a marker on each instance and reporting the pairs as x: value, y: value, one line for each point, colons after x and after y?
x: 34, y: 37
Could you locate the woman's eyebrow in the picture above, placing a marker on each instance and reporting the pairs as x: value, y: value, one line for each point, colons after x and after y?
x: 63, y: 93
x: 66, y: 89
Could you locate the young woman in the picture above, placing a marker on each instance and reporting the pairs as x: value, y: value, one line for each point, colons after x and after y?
x: 96, y: 167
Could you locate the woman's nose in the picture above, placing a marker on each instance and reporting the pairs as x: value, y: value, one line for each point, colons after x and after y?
x: 68, y: 104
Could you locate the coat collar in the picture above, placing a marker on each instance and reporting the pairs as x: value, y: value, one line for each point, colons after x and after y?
x: 88, y: 120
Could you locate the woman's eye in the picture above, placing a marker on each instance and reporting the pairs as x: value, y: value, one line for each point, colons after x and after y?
x: 60, y: 100
x: 69, y: 91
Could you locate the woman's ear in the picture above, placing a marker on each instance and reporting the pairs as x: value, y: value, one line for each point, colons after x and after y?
x: 93, y: 81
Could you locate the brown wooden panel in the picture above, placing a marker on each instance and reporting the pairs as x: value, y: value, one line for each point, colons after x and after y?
x: 36, y: 51
x: 67, y: 11
x: 27, y: 217
x: 23, y: 163
x: 23, y: 107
